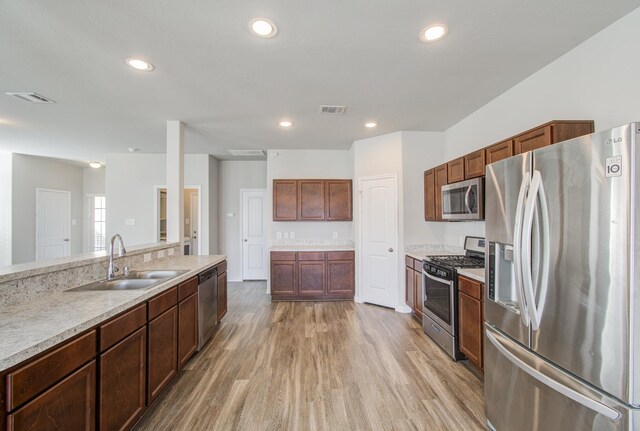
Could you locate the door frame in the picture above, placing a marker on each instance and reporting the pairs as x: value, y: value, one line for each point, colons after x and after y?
x: 156, y: 210
x: 191, y: 220
x: 360, y: 243
x: 68, y: 193
x: 240, y: 228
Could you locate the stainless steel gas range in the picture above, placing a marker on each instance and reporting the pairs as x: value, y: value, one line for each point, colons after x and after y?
x: 440, y: 280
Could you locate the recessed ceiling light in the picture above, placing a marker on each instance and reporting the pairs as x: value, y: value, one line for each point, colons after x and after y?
x: 263, y: 27
x: 370, y: 124
x: 95, y: 165
x: 138, y: 64
x: 433, y: 33
x: 285, y: 123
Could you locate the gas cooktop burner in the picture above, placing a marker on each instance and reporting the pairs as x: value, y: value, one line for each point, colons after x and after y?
x: 457, y: 261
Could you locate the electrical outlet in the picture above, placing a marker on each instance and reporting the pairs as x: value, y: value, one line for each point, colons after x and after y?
x: 279, y: 235
x: 335, y: 235
x: 187, y: 221
x: 286, y: 235
x: 231, y: 215
x: 292, y: 235
x: 147, y: 257
x: 160, y: 254
x: 171, y: 251
x: 129, y: 222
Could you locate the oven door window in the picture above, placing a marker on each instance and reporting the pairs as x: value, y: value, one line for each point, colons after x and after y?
x: 438, y: 299
x: 459, y: 201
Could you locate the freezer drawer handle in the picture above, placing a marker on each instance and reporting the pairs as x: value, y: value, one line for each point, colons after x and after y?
x: 567, y: 392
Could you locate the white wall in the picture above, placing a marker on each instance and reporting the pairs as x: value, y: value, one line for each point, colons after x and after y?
x: 236, y: 175
x: 596, y: 80
x: 300, y: 164
x: 5, y: 209
x: 130, y: 190
x: 29, y: 173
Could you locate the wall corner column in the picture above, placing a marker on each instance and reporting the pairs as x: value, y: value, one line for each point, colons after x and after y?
x: 175, y: 181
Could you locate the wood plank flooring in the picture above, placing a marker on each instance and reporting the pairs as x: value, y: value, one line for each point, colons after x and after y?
x: 318, y: 366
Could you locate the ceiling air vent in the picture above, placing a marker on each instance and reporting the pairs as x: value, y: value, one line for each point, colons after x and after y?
x: 31, y: 97
x: 332, y: 109
x: 247, y: 153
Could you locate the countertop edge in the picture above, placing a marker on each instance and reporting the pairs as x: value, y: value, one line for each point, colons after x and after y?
x: 466, y: 273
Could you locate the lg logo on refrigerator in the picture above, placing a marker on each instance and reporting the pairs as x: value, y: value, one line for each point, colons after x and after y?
x: 614, y: 166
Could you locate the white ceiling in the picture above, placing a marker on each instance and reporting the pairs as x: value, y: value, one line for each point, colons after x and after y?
x: 231, y: 88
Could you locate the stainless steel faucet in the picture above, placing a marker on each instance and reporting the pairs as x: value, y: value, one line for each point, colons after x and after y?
x: 112, y: 268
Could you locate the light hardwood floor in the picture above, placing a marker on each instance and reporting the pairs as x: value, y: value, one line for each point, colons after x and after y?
x: 318, y: 366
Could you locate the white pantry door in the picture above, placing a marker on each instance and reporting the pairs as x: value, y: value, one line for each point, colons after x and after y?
x: 53, y: 223
x: 379, y: 240
x: 254, y: 236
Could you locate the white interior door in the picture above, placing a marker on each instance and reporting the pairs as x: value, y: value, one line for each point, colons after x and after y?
x: 53, y: 224
x: 379, y: 240
x: 254, y: 236
x: 194, y: 224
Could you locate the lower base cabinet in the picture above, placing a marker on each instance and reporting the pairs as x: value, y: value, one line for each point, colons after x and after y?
x: 187, y: 329
x: 69, y: 405
x: 163, y: 352
x: 222, y: 291
x: 413, y: 287
x: 471, y: 320
x: 123, y: 379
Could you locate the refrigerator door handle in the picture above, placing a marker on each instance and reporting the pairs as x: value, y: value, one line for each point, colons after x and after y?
x: 517, y: 250
x: 553, y: 384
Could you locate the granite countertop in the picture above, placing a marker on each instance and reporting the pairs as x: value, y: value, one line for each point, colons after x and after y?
x: 472, y: 273
x: 30, y: 328
x: 320, y: 247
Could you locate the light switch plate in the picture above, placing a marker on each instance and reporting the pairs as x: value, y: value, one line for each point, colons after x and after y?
x: 231, y: 215
x: 130, y: 222
x: 286, y: 235
x: 335, y: 235
x: 147, y: 257
x: 279, y: 235
x: 186, y: 221
x: 160, y: 254
x: 292, y: 235
x: 73, y: 222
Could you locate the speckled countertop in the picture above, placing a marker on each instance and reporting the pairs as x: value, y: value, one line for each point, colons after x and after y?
x: 424, y: 253
x: 472, y: 273
x: 320, y: 247
x: 32, y: 327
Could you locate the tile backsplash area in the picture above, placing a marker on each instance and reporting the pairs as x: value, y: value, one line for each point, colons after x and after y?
x: 16, y: 290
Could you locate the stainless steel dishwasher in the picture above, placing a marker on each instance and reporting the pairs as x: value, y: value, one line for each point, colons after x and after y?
x: 207, y: 305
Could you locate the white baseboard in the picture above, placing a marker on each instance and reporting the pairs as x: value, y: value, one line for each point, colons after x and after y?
x: 403, y: 309
x: 235, y: 279
x: 358, y: 300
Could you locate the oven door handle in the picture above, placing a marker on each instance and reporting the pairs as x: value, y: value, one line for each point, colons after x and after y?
x: 441, y: 280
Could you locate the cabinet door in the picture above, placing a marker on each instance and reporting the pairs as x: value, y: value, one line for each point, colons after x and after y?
x: 311, y: 277
x: 532, y: 140
x: 311, y: 199
x: 418, y: 301
x: 283, y: 277
x: 563, y: 130
x: 122, y: 382
x: 474, y: 165
x: 187, y: 329
x: 430, y: 195
x: 69, y: 405
x: 338, y: 200
x: 163, y: 352
x: 499, y: 151
x: 285, y: 200
x: 222, y: 295
x: 470, y: 318
x: 455, y: 170
x: 441, y: 180
x: 340, y: 277
x: 409, y: 288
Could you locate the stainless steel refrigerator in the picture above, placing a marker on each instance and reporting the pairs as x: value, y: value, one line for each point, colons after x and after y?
x: 562, y: 316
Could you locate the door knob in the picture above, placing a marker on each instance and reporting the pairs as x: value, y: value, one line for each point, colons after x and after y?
x: 390, y: 250
x: 245, y: 240
x: 66, y: 240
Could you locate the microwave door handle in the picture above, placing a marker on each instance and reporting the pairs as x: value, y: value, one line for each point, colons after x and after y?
x: 441, y: 280
x: 466, y: 200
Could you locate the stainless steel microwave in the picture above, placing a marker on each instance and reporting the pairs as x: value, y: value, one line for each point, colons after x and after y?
x: 463, y: 201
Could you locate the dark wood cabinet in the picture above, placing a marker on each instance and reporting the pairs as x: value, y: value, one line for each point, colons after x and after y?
x: 499, y: 151
x: 455, y: 170
x: 430, y: 195
x: 440, y: 180
x: 312, y: 275
x: 69, y: 405
x: 474, y: 165
x: 409, y: 285
x: 314, y: 200
x: 471, y: 319
x: 338, y: 200
x: 123, y: 377
x: 285, y: 200
x: 551, y: 133
x: 222, y: 294
x: 533, y: 140
x: 413, y: 287
x: 187, y: 329
x: 311, y: 200
x: 163, y: 352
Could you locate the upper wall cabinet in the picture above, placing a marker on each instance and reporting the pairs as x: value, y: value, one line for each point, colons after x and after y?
x: 312, y: 200
x: 474, y: 164
x: 551, y: 133
x: 285, y: 200
x: 455, y: 170
x: 499, y: 151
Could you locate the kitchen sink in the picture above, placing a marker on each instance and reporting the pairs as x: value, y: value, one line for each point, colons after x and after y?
x: 135, y: 280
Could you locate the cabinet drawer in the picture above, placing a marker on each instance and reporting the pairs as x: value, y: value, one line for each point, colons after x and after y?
x: 311, y: 255
x: 32, y: 379
x: 187, y: 288
x: 469, y: 287
x: 222, y: 267
x: 408, y: 261
x: 340, y: 255
x: 120, y: 327
x: 163, y: 302
x: 283, y: 255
